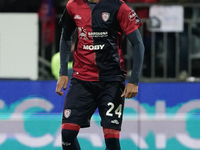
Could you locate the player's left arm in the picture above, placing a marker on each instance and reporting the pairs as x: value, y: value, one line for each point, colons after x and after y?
x: 130, y: 22
x: 135, y: 39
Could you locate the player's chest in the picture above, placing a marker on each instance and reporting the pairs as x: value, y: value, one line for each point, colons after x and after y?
x: 102, y: 18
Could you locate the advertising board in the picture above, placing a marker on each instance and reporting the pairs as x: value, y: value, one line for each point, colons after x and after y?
x: 162, y: 116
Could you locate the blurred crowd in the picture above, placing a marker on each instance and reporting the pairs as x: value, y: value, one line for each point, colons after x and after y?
x: 23, y: 5
x: 34, y: 5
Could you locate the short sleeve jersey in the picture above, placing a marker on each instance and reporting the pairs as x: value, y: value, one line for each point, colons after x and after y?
x: 99, y: 55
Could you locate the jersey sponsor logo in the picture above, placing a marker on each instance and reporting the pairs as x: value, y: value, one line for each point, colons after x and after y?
x: 93, y: 47
x: 82, y: 33
x: 98, y: 34
x: 67, y: 113
x: 105, y: 16
x: 77, y: 17
x: 132, y: 16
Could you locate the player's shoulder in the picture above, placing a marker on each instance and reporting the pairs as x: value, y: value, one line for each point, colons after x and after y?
x: 73, y: 3
x: 121, y: 1
x: 70, y: 2
x: 112, y: 3
x: 117, y: 1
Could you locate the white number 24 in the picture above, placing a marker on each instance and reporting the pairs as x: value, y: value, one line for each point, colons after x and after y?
x: 118, y: 111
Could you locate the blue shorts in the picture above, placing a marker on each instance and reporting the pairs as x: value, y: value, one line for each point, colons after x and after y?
x: 84, y: 97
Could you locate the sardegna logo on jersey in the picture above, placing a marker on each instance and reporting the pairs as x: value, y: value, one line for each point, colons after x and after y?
x: 132, y: 16
x: 105, y: 16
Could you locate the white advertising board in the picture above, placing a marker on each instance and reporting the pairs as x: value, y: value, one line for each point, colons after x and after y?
x: 19, y: 45
x: 166, y: 18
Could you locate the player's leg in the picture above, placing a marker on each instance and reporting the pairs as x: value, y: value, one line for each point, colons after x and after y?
x: 111, y: 106
x: 78, y: 108
x: 69, y: 136
x: 111, y: 137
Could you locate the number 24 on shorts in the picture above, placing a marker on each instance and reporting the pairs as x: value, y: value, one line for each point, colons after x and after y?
x: 118, y: 111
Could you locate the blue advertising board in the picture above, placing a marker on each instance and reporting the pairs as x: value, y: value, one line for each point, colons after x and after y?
x: 162, y: 116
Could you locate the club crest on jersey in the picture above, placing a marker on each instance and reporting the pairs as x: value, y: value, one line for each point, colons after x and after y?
x: 67, y: 113
x: 105, y: 16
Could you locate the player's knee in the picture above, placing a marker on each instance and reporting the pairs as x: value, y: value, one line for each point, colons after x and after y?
x: 69, y: 131
x: 111, y: 133
x: 70, y: 126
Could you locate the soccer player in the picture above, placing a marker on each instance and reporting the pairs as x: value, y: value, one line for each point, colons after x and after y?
x: 99, y: 75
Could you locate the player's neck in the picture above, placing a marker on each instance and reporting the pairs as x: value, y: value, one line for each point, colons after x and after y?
x: 93, y: 1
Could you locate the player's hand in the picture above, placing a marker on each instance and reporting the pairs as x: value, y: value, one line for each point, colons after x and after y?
x: 130, y: 90
x: 62, y: 84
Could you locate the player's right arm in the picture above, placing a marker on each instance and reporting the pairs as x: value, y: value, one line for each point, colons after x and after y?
x: 68, y: 26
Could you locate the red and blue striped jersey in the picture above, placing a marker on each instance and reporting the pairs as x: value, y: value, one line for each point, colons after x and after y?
x: 99, y: 56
